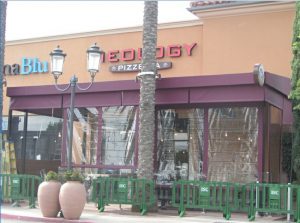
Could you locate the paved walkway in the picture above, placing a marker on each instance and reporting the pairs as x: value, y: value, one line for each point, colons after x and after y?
x: 113, y: 214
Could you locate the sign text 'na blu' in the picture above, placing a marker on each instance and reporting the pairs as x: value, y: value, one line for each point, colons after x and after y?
x: 28, y: 66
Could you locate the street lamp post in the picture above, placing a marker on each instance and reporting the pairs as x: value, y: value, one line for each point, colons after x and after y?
x: 57, y: 61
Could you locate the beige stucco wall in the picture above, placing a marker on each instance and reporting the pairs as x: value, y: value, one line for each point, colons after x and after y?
x: 75, y: 62
x: 230, y: 43
x: 234, y: 44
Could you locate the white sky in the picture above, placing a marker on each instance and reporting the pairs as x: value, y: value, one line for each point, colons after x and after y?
x: 29, y: 19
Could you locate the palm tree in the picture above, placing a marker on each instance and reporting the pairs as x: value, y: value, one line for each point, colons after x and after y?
x: 2, y: 47
x: 295, y: 93
x: 147, y: 91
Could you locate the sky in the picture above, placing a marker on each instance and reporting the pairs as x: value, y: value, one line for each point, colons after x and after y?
x: 31, y: 19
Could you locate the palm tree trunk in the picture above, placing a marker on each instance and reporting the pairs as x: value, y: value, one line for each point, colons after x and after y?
x: 295, y: 100
x: 2, y: 47
x: 147, y: 92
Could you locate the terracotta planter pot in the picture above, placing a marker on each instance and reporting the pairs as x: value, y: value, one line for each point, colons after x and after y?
x: 72, y: 198
x: 48, y: 198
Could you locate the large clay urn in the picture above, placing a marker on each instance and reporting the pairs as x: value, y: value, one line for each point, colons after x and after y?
x: 48, y: 198
x: 72, y: 198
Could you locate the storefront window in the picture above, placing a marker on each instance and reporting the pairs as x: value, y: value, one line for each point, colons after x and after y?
x: 232, y: 148
x: 85, y: 136
x: 16, y: 135
x: 180, y: 144
x: 273, y: 175
x: 118, y: 135
x: 43, y: 136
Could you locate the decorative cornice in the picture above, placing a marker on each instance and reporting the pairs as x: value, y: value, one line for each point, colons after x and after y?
x: 243, y: 9
x: 171, y: 25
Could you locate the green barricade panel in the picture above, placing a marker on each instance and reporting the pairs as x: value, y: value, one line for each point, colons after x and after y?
x: 274, y: 197
x: 122, y: 190
x: 122, y: 187
x: 204, y: 195
x: 15, y: 187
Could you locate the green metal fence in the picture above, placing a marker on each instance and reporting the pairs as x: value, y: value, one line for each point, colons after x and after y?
x: 275, y: 198
x: 219, y: 196
x: 137, y: 192
x: 231, y: 197
x: 18, y: 187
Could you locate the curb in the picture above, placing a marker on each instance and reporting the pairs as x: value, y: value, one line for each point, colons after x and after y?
x: 39, y: 219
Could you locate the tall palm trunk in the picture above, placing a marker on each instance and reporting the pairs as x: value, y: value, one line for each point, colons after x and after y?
x: 2, y: 47
x: 295, y: 88
x: 147, y: 91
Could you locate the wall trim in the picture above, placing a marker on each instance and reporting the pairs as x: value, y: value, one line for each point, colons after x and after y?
x: 161, y: 26
x: 245, y: 9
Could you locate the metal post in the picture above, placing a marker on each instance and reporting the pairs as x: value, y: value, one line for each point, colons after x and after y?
x: 24, y: 139
x: 288, y: 217
x: 73, y: 83
x: 257, y: 197
x: 9, y: 126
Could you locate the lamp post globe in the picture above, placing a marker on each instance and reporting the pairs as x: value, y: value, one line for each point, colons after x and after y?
x: 57, y: 62
x: 93, y: 59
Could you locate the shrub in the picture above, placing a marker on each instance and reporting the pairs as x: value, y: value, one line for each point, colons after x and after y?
x: 51, y: 175
x: 74, y: 176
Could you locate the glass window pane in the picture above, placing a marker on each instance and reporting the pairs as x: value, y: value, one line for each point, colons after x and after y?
x: 180, y: 144
x: 85, y: 136
x: 4, y: 124
x: 232, y: 148
x: 17, y: 132
x: 118, y: 135
x: 273, y: 175
x: 43, y: 137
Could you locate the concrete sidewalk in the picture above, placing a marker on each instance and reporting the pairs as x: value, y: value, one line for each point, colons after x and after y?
x: 114, y: 214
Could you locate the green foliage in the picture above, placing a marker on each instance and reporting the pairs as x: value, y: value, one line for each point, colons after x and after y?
x: 73, y: 176
x: 295, y: 97
x: 287, y: 153
x: 51, y: 175
x: 296, y: 166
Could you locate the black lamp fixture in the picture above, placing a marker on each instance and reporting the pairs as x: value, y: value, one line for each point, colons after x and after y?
x: 93, y: 67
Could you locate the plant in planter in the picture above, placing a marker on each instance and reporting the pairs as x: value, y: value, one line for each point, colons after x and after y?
x: 48, y: 195
x: 72, y: 196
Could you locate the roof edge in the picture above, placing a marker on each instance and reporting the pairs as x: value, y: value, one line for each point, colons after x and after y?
x: 169, y: 25
x: 224, y: 5
x: 243, y: 9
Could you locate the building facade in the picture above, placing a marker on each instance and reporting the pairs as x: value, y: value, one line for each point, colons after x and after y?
x: 217, y: 118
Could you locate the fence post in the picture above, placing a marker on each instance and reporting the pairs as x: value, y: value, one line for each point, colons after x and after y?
x: 288, y: 216
x: 226, y: 213
x: 298, y: 204
x: 257, y: 197
x: 102, y: 190
x: 251, y: 211
x: 32, y: 194
x: 181, y: 210
x: 143, y: 203
x: 15, y: 189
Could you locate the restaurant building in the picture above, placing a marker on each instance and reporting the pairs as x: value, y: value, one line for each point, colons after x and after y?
x: 219, y: 116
